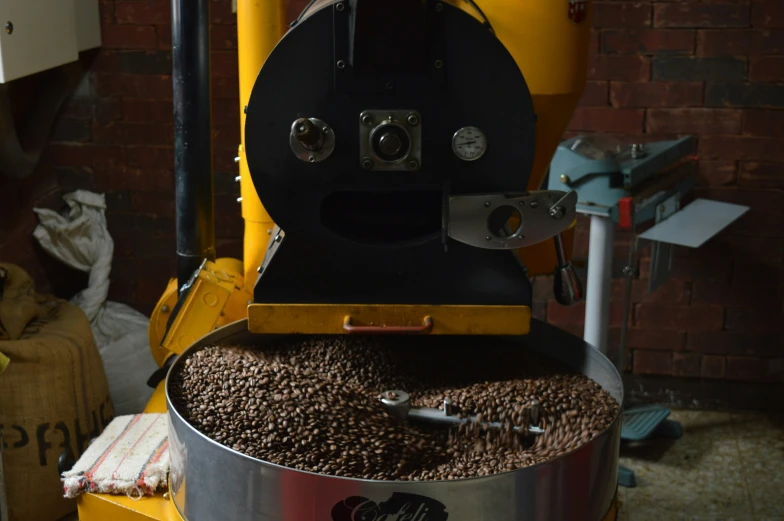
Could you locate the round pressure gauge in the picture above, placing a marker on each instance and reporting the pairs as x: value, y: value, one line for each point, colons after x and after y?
x: 469, y: 143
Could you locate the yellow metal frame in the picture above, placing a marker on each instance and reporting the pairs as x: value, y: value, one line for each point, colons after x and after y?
x: 331, y: 318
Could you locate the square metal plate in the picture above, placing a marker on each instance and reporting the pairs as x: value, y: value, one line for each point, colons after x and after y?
x: 696, y: 223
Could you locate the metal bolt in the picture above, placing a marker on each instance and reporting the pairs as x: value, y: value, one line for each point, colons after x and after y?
x: 245, y: 109
x: 278, y: 238
x: 239, y: 199
x: 325, y: 130
x: 367, y: 120
x: 413, y: 164
x: 340, y: 6
x: 165, y: 308
x: 628, y: 271
x: 447, y: 406
x: 439, y: 7
x: 237, y: 159
x: 439, y: 64
x: 535, y: 411
x: 312, y: 159
x: 238, y: 179
x: 9, y: 27
x: 637, y: 151
x: 488, y: 238
x: 487, y: 204
x: 341, y: 64
x: 412, y: 119
x: 565, y: 179
x: 260, y: 269
x: 534, y: 204
x: 557, y: 212
x: 391, y: 395
x: 367, y: 163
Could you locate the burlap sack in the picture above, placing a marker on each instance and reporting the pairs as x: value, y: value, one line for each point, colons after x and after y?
x: 53, y: 396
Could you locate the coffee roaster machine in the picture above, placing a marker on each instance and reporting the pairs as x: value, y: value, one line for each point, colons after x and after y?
x: 392, y: 165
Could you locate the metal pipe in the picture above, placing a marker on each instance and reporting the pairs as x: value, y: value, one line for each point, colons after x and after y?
x: 193, y: 181
x: 597, y: 297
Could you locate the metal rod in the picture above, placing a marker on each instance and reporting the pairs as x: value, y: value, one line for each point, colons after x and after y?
x: 193, y: 182
x: 597, y: 297
x: 430, y: 415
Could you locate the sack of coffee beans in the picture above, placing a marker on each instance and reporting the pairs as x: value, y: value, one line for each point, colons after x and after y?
x: 313, y: 403
x: 53, y: 398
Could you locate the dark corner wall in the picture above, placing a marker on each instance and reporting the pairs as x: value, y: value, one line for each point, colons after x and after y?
x: 711, y: 69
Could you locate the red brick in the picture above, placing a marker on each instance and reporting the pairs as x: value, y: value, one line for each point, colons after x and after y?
x: 709, y: 293
x: 226, y: 136
x: 655, y: 339
x: 147, y: 156
x: 717, y: 173
x: 742, y: 368
x: 71, y: 131
x: 134, y: 85
x: 594, y: 45
x: 148, y: 179
x: 144, y: 62
x: 734, y: 342
x: 595, y: 94
x: 619, y: 68
x: 741, y: 147
x: 754, y: 320
x: 767, y: 15
x: 686, y: 364
x: 700, y: 15
x: 134, y: 133
x: 224, y: 63
x: 652, y: 362
x: 693, y: 121
x: 766, y: 68
x: 106, y: 10
x: 738, y: 42
x: 565, y: 315
x: 223, y: 37
x: 759, y: 250
x: 761, y: 175
x: 679, y: 318
x: 77, y: 108
x: 105, y: 61
x: 763, y: 123
x: 656, y: 94
x: 153, y: 203
x: 226, y: 87
x: 607, y: 119
x: 226, y: 111
x: 108, y: 109
x: 223, y: 160
x: 221, y: 13
x: 648, y: 42
x: 543, y: 288
x: 129, y: 37
x: 164, y: 33
x: 712, y: 366
x: 148, y: 110
x: 150, y: 12
x: 691, y: 68
x: 615, y: 14
x: 86, y: 154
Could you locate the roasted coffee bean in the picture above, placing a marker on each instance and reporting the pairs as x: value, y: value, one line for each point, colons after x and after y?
x: 313, y: 404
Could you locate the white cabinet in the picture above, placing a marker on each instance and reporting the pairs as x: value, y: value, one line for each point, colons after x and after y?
x: 36, y: 35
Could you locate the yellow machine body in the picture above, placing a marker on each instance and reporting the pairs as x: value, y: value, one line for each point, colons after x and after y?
x: 552, y: 53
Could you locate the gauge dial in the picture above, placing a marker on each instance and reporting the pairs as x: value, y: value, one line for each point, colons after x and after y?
x: 469, y: 143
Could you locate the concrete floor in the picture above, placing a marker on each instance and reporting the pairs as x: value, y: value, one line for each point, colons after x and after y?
x: 726, y: 467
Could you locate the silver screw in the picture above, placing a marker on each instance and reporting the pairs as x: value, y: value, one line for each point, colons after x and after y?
x: 487, y: 204
x: 447, y: 406
x: 565, y: 179
x: 9, y: 27
x: 341, y: 64
x: 413, y: 164
x: 340, y: 6
x: 325, y: 130
x: 165, y: 308
x: 278, y: 238
x: 412, y: 119
x: 557, y: 212
x: 367, y: 120
x: 438, y: 64
x: 239, y: 199
x: 237, y: 159
x: 439, y: 7
x: 238, y: 179
x: 312, y: 159
x: 534, y: 204
x: 488, y: 238
x: 367, y: 163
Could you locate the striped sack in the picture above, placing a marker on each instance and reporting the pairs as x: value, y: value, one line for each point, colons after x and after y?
x: 130, y: 457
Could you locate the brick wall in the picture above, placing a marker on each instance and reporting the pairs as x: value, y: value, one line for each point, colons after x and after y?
x: 714, y: 70
x: 658, y: 70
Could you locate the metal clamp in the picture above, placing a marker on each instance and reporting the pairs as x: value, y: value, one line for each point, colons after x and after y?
x: 426, y: 327
x: 505, y: 221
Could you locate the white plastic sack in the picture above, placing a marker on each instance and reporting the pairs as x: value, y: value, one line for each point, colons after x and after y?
x: 81, y: 240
